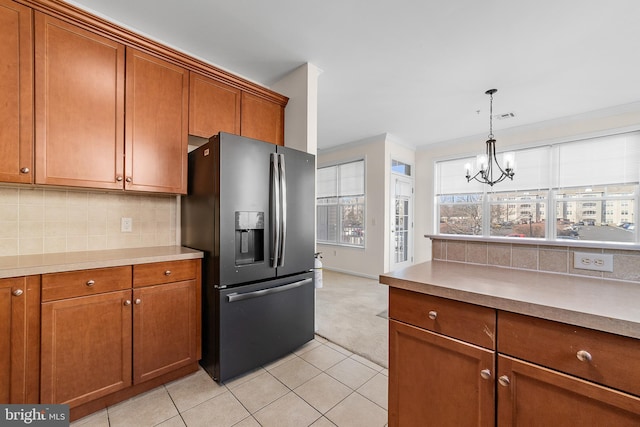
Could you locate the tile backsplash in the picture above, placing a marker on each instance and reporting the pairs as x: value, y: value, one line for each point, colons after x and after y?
x: 37, y: 220
x: 546, y: 258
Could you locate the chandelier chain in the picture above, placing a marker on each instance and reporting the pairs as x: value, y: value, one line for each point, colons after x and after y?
x: 490, y: 115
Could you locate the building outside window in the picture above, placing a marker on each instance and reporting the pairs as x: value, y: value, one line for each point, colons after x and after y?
x: 340, y: 204
x: 579, y: 190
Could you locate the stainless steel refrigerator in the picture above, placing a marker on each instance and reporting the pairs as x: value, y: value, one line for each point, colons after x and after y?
x: 250, y: 207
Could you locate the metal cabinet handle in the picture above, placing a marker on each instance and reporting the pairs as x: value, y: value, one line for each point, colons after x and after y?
x: 167, y: 273
x: 485, y: 374
x: 119, y: 178
x: 504, y: 381
x: 17, y: 292
x: 433, y: 315
x: 128, y: 179
x: 127, y: 302
x: 91, y: 283
x: 584, y: 356
x: 137, y: 301
x: 25, y: 170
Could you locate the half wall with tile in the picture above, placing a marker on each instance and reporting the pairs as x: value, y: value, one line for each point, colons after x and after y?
x: 550, y: 259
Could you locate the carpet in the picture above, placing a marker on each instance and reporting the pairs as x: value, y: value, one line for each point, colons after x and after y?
x: 351, y: 312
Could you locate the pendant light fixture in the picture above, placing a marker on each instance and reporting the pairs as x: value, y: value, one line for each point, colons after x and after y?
x: 488, y: 163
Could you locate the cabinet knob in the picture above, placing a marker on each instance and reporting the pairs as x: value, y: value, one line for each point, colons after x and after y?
x: 91, y: 283
x: 504, y: 381
x: 127, y: 302
x: 584, y: 356
x: 485, y: 374
x: 433, y: 315
x: 167, y: 273
x: 25, y: 170
x: 137, y: 301
x: 119, y: 178
x: 128, y: 179
x: 17, y: 292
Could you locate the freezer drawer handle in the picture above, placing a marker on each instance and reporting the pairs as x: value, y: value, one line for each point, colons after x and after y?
x: 255, y: 294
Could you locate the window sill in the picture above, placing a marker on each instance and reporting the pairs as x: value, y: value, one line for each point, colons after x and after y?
x: 538, y: 242
x: 340, y: 245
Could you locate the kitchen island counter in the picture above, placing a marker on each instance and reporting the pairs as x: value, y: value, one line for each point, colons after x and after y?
x: 26, y: 265
x: 605, y: 305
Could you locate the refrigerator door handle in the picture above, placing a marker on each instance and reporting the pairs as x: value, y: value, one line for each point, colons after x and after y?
x: 262, y: 292
x: 275, y: 212
x: 283, y: 207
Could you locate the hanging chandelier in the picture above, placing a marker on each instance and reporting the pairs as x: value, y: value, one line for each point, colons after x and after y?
x: 488, y: 163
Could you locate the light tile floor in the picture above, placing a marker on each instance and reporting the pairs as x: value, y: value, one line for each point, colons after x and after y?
x: 320, y: 384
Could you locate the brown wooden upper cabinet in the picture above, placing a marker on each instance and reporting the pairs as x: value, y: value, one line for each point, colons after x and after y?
x: 79, y: 106
x: 16, y: 87
x: 213, y: 107
x: 81, y: 137
x: 157, y: 124
x: 262, y: 119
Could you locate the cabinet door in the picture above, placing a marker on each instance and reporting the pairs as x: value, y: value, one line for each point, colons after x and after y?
x: 538, y: 396
x: 165, y: 325
x: 213, y: 107
x: 262, y: 119
x: 19, y: 339
x: 79, y: 93
x: 157, y: 124
x: 435, y: 380
x: 16, y: 87
x: 86, y: 347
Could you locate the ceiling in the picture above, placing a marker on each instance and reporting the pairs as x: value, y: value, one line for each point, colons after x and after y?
x: 416, y: 70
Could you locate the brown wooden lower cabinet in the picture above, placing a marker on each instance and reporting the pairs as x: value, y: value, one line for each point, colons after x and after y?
x: 108, y: 334
x: 437, y: 381
x: 86, y: 347
x: 530, y: 395
x: 164, y: 329
x: 19, y: 339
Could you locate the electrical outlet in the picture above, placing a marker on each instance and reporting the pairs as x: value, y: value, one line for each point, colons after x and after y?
x: 591, y: 261
x: 126, y: 225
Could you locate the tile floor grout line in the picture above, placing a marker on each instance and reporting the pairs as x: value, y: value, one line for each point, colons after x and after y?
x: 174, y: 405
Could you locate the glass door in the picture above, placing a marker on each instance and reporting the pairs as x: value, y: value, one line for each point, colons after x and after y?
x: 401, y: 222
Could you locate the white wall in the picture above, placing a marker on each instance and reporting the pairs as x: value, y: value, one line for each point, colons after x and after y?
x: 301, y: 113
x: 368, y: 262
x: 602, y: 122
x: 377, y: 151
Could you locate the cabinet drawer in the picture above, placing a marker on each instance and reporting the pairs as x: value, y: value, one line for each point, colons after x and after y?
x: 600, y: 357
x: 467, y: 322
x: 85, y: 282
x: 163, y: 272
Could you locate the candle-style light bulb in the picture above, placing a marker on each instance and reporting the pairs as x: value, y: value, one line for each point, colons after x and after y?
x: 482, y: 162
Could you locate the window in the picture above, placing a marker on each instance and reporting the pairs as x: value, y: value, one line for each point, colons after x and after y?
x: 400, y: 168
x: 340, y: 204
x: 580, y: 190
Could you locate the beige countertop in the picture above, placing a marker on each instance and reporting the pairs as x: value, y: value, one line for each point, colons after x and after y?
x: 25, y: 265
x: 606, y: 305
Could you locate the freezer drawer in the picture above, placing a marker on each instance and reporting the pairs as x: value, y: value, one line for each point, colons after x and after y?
x: 262, y: 322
